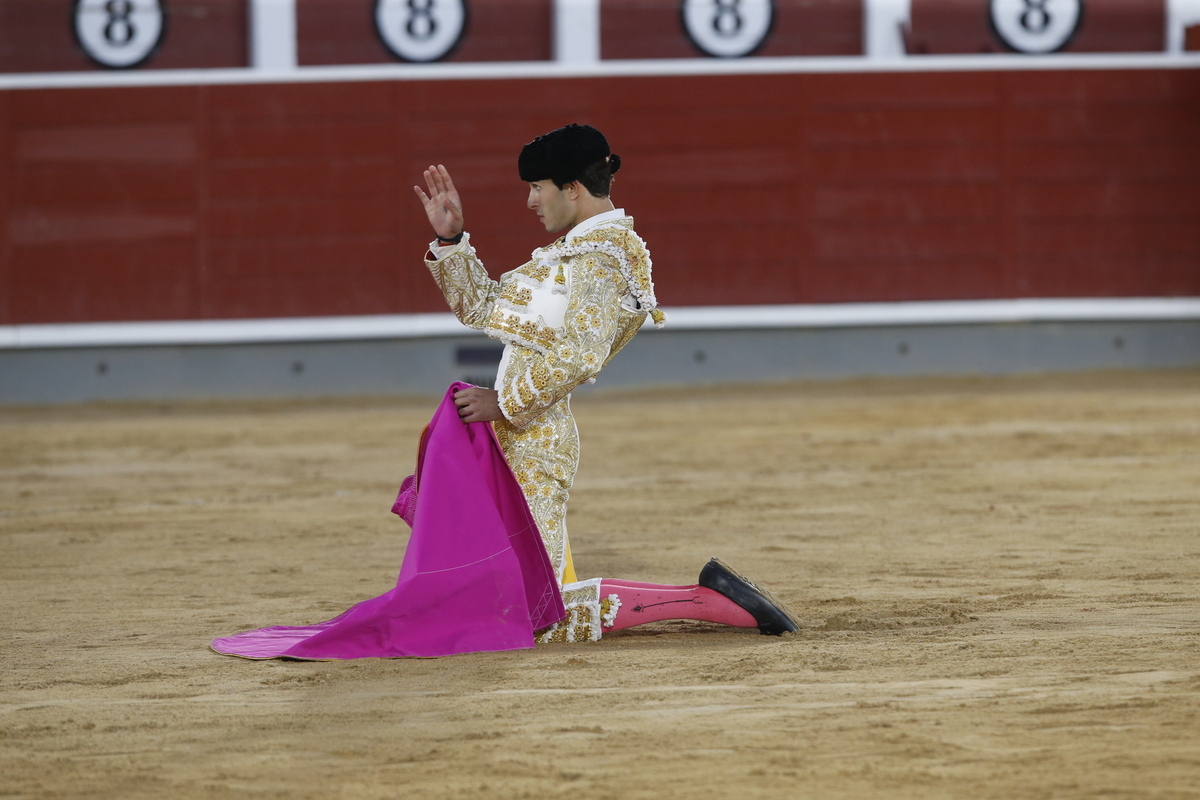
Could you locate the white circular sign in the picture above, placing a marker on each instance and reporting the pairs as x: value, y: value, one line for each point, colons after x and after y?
x: 119, y: 33
x: 1036, y: 26
x: 420, y: 30
x: 727, y: 28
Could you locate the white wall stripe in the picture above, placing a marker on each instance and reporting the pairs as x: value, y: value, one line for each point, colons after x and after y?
x: 954, y: 312
x: 577, y: 31
x: 882, y: 22
x: 1181, y: 14
x: 273, y: 35
x: 666, y: 67
x: 416, y: 326
x: 242, y: 331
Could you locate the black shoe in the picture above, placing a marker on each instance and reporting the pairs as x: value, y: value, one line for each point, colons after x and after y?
x: 769, y: 613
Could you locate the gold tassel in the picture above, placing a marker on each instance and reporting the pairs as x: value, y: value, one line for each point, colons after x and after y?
x: 659, y: 317
x: 560, y: 281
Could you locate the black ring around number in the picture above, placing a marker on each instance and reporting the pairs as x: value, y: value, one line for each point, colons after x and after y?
x: 991, y: 22
x: 466, y: 26
x: 151, y: 53
x: 696, y: 45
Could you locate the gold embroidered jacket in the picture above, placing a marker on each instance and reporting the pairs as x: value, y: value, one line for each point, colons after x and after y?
x: 567, y: 311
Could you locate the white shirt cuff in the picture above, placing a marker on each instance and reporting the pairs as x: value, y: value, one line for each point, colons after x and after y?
x: 440, y: 251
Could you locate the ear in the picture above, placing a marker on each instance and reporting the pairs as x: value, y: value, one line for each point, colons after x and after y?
x: 573, y: 189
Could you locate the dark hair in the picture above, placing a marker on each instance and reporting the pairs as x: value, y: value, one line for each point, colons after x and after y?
x: 597, y: 177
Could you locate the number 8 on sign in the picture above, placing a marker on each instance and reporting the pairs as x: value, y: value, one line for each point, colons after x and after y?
x: 1036, y: 26
x: 727, y: 28
x: 420, y: 30
x: 119, y: 33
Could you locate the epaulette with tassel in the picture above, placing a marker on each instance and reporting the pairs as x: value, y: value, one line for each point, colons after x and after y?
x: 633, y: 261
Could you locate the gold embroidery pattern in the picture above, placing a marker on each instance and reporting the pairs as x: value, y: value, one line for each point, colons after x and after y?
x: 469, y: 291
x: 619, y: 242
x: 539, y: 376
x: 593, y: 322
x: 609, y: 607
x: 516, y: 294
x: 510, y: 328
x: 584, y: 615
x: 535, y: 269
x: 627, y: 329
x: 544, y: 456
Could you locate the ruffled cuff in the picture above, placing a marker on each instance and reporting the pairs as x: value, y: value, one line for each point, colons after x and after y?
x: 440, y: 251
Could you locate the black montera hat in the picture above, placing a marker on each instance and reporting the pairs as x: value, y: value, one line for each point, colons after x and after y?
x: 564, y: 153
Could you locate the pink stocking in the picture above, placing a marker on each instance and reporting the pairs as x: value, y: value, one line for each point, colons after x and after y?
x: 650, y: 602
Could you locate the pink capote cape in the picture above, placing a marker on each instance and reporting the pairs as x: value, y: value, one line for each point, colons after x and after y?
x: 475, y: 575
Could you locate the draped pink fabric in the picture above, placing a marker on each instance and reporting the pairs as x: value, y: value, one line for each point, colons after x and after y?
x: 475, y: 576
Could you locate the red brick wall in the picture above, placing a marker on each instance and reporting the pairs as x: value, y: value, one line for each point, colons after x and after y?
x: 36, y: 36
x: 654, y: 29
x: 7, y: 311
x: 1191, y: 38
x: 270, y: 200
x: 1106, y: 26
x: 343, y: 32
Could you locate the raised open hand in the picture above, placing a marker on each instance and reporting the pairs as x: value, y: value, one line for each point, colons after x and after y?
x: 443, y: 206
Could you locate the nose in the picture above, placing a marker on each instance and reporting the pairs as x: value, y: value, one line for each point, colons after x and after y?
x: 531, y: 201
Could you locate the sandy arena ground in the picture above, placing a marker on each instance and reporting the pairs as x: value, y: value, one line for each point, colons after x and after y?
x: 998, y: 582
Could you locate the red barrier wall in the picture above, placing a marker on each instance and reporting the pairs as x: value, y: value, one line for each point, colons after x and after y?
x: 37, y: 36
x: 654, y: 29
x: 343, y: 32
x: 1106, y: 26
x: 281, y: 200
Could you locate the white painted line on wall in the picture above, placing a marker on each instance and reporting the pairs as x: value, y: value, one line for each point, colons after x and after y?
x: 950, y: 312
x: 697, y: 318
x: 883, y: 22
x: 577, y: 31
x: 242, y: 331
x: 645, y: 68
x: 273, y: 35
x: 1181, y: 14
